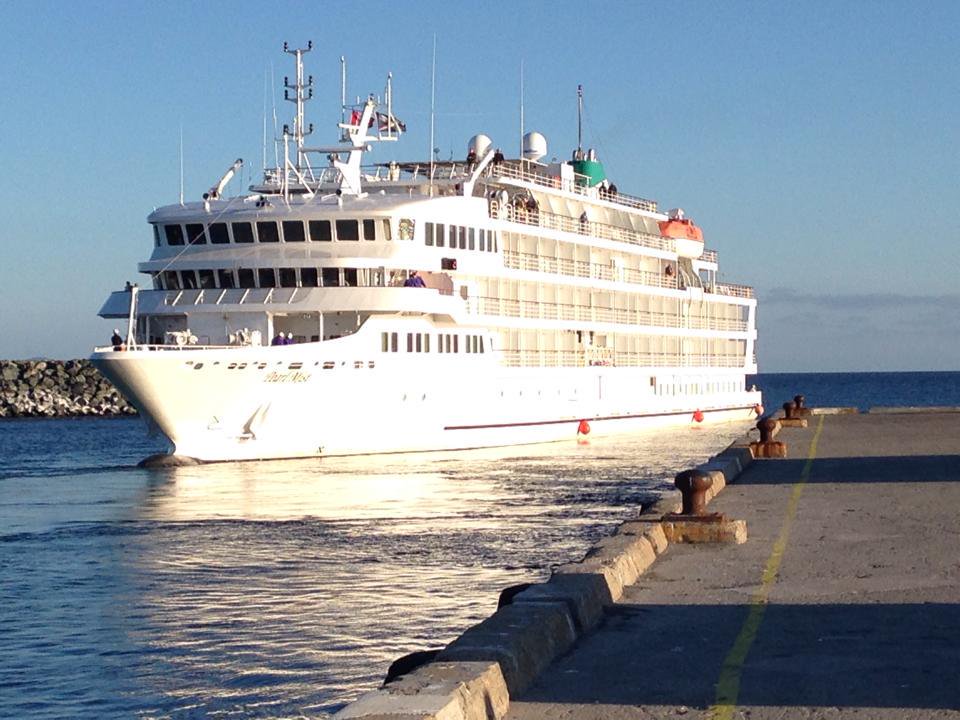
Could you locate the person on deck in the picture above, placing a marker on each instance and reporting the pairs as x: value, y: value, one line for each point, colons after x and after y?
x: 116, y: 340
x: 278, y: 339
x: 414, y: 280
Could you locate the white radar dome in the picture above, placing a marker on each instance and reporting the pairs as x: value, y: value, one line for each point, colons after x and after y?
x: 479, y: 144
x: 534, y: 146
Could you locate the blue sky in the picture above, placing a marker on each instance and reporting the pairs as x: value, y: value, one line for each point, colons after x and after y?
x: 815, y: 143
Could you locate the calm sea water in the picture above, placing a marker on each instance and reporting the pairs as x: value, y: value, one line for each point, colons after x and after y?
x: 282, y: 589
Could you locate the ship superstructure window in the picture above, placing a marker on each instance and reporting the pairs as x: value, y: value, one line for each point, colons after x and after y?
x: 266, y: 277
x: 440, y: 235
x: 407, y: 228
x: 195, y: 234
x: 308, y: 277
x: 207, y: 281
x: 156, y: 236
x: 293, y: 231
x: 369, y: 230
x: 225, y: 278
x: 331, y: 277
x: 462, y: 236
x: 242, y: 232
x: 428, y: 233
x: 471, y: 235
x: 348, y: 230
x: 320, y: 231
x: 350, y: 277
x: 288, y: 277
x: 189, y: 279
x: 385, y: 229
x: 174, y: 234
x: 268, y: 232
x: 218, y: 233
x: 172, y: 280
x: 245, y: 278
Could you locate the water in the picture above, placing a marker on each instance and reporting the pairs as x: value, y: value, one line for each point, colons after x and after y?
x: 285, y: 589
x: 277, y: 589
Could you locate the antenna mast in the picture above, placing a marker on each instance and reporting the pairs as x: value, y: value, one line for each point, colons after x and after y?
x: 433, y: 97
x: 343, y: 95
x: 303, y: 91
x: 579, y: 122
x: 521, y: 107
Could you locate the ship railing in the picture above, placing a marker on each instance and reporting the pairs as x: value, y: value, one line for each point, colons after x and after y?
x: 709, y: 256
x: 551, y: 221
x: 615, y: 358
x: 536, y: 174
x: 537, y: 310
x: 583, y: 269
x: 172, y: 347
x: 234, y: 296
x: 742, y: 291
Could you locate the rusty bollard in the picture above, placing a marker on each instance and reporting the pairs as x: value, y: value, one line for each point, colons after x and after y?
x: 693, y: 524
x: 789, y: 410
x: 801, y: 410
x: 693, y: 486
x: 767, y: 447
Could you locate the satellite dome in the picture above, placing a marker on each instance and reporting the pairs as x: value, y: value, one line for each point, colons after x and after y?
x: 534, y: 146
x: 479, y: 144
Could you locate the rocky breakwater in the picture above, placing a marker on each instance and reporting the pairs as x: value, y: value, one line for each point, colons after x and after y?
x: 57, y: 388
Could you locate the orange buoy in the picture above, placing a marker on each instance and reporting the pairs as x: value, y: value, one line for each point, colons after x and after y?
x: 758, y: 409
x: 583, y: 428
x: 698, y: 416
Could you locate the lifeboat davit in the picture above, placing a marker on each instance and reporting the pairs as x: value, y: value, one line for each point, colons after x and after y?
x: 688, y: 237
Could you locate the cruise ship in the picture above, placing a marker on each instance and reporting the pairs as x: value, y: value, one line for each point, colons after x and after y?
x: 340, y: 308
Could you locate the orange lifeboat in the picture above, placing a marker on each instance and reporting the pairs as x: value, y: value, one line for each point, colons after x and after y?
x: 680, y: 228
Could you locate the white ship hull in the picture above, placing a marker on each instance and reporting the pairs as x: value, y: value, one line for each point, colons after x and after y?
x: 248, y: 403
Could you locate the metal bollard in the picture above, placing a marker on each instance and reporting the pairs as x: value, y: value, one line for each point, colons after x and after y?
x: 767, y: 428
x: 693, y: 486
x: 789, y: 410
x: 801, y: 409
x: 767, y: 447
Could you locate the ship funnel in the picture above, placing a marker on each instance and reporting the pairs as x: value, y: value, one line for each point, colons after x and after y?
x: 534, y: 146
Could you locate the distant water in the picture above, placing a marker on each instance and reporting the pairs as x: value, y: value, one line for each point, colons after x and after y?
x: 282, y: 589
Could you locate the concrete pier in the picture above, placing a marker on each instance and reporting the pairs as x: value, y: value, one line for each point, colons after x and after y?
x: 843, y: 603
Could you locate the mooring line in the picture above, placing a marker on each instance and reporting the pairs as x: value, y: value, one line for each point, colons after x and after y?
x: 728, y: 686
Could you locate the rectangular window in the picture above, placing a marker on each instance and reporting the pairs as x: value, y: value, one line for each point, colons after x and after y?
x: 447, y: 342
x: 439, y: 343
x: 462, y: 234
x: 206, y: 279
x: 492, y: 238
x: 174, y: 234
x: 308, y: 277
x: 195, y: 234
x: 189, y: 279
x: 172, y: 280
x: 440, y: 233
x: 293, y: 231
x: 218, y: 234
x: 471, y: 235
x: 245, y: 278
x: 242, y: 232
x: 419, y: 342
x: 385, y: 230
x: 483, y: 238
x: 393, y: 342
x: 348, y: 230
x: 369, y: 230
x: 384, y: 342
x: 481, y: 344
x: 268, y: 232
x: 288, y: 277
x: 409, y: 342
x: 426, y: 342
x: 350, y: 277
x: 320, y: 231
x: 266, y: 277
x: 156, y: 236
x: 466, y: 343
x: 331, y: 277
x: 456, y: 343
x: 407, y: 228
x: 225, y: 278
x: 428, y: 233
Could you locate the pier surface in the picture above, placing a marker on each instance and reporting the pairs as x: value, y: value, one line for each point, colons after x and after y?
x: 844, y: 602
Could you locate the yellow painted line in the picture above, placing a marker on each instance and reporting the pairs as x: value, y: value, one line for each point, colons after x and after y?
x: 728, y: 686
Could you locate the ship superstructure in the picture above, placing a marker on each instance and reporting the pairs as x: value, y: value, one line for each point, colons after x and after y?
x: 343, y: 308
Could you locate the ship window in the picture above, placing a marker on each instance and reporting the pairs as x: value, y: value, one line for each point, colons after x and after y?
x: 439, y: 343
x: 268, y: 232
x: 385, y: 229
x: 242, y: 232
x: 348, y: 230
x: 195, y: 234
x: 331, y: 277
x: 441, y: 231
x: 206, y: 279
x: 467, y: 343
x: 172, y: 280
x: 426, y: 342
x: 350, y: 277
x: 308, y: 277
x: 189, y: 279
x: 428, y: 233
x: 384, y: 342
x: 157, y: 281
x: 266, y: 277
x: 245, y: 278
x: 462, y: 233
x: 293, y: 231
x: 419, y: 342
x: 447, y: 342
x: 174, y: 234
x: 493, y: 241
x: 369, y: 230
x: 407, y: 227
x: 393, y: 342
x: 288, y: 277
x: 456, y: 343
x: 320, y: 231
x: 409, y: 342
x: 470, y: 238
x: 156, y: 236
x: 481, y: 343
x: 218, y: 233
x: 483, y: 238
x: 226, y: 278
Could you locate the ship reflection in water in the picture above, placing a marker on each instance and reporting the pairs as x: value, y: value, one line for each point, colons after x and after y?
x: 283, y: 588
